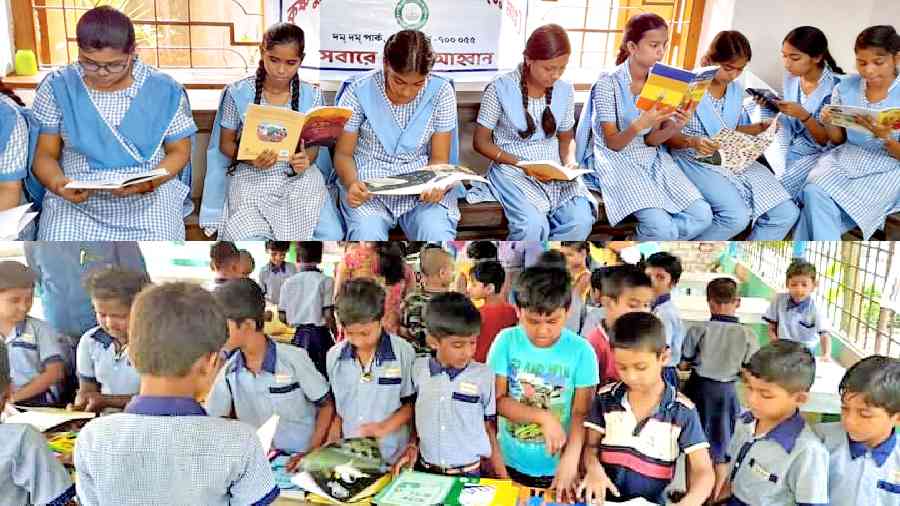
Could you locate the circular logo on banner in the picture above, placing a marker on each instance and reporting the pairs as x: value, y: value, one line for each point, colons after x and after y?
x: 411, y: 14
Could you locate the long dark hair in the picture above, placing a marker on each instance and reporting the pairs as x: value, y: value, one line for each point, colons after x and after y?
x: 880, y: 36
x: 635, y: 29
x: 11, y: 94
x: 726, y: 46
x: 105, y: 27
x: 813, y: 42
x: 409, y: 51
x: 545, y: 43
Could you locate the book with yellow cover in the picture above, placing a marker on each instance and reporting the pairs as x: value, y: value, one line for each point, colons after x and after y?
x: 675, y: 88
x: 281, y: 130
x: 845, y: 116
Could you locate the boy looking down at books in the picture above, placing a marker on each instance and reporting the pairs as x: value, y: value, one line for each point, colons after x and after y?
x: 164, y: 449
x: 639, y: 427
x: 370, y: 372
x: 455, y: 411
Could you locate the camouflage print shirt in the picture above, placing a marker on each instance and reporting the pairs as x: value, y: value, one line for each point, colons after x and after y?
x: 413, y: 318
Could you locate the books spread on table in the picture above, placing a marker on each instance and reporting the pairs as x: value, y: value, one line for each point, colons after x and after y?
x: 548, y: 169
x: 281, y: 130
x: 44, y: 419
x: 343, y: 472
x: 845, y: 116
x: 768, y: 97
x: 117, y: 181
x: 675, y: 88
x: 424, y: 179
x: 13, y: 221
x: 738, y: 150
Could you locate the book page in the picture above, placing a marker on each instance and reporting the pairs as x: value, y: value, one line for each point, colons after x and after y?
x: 546, y: 169
x: 427, y: 178
x: 13, y: 221
x: 44, y: 419
x: 118, y: 181
x: 270, y: 128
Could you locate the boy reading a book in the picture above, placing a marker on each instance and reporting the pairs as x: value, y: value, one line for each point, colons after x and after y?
x: 370, y: 372
x: 164, y: 446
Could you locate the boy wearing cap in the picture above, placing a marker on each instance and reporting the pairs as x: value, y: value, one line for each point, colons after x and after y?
x: 35, y: 354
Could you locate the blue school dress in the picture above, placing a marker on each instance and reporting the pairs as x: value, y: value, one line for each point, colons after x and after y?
x: 536, y: 211
x: 18, y: 139
x: 264, y: 204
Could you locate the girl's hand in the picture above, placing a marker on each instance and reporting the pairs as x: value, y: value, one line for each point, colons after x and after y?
x: 433, y: 196
x: 704, y: 146
x: 357, y: 194
x: 793, y: 109
x: 265, y: 160
x: 678, y: 120
x: 72, y: 195
x: 653, y: 118
x: 299, y: 161
x: 882, y: 132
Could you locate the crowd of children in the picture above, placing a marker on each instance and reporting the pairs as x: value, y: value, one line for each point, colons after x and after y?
x: 474, y: 384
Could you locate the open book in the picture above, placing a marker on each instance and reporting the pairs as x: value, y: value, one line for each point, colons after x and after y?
x: 845, y: 116
x: 738, y: 150
x: 675, y: 88
x: 547, y: 169
x: 44, y: 419
x: 418, y: 181
x: 769, y: 98
x: 13, y: 221
x: 118, y: 181
x: 281, y: 130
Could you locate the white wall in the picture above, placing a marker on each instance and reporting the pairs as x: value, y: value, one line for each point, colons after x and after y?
x: 766, y: 22
x: 6, y: 38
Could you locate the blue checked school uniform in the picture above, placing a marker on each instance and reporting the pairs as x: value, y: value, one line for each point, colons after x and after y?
x: 305, y: 297
x: 31, y: 346
x: 858, y: 474
x: 754, y: 195
x: 639, y: 456
x: 537, y: 211
x: 783, y: 467
x: 18, y: 140
x: 272, y: 278
x: 288, y: 386
x: 795, y: 152
x: 165, y: 451
x: 374, y: 394
x: 63, y: 267
x: 115, y: 133
x: 800, y: 322
x: 396, y: 139
x: 856, y: 184
x: 451, y: 408
x: 639, y: 179
x: 265, y: 204
x: 29, y: 473
x: 666, y: 310
x: 717, y: 350
x: 101, y: 361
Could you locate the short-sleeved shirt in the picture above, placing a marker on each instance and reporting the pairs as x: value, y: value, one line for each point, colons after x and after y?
x: 166, y: 451
x: 272, y: 278
x: 666, y: 310
x: 494, y: 318
x: 100, y: 360
x: 543, y: 378
x: 858, y: 474
x: 451, y: 408
x: 787, y: 465
x: 29, y: 473
x: 288, y: 385
x: 305, y: 296
x: 718, y: 348
x: 606, y: 361
x: 414, y: 317
x: 639, y: 455
x: 14, y: 156
x: 31, y: 346
x: 362, y: 398
x: 801, y: 322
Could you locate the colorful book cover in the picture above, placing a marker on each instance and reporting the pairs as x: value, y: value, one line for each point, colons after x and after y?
x: 413, y: 488
x: 344, y: 471
x: 323, y: 125
x: 270, y: 128
x: 675, y: 88
x: 845, y: 116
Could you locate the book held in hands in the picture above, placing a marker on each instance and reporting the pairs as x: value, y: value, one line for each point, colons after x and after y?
x: 550, y: 170
x: 117, y: 181
x: 422, y: 180
x: 282, y: 130
x: 846, y: 116
x: 738, y: 150
x: 675, y: 88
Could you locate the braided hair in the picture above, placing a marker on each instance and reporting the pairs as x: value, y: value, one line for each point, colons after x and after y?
x: 545, y: 43
x: 11, y: 94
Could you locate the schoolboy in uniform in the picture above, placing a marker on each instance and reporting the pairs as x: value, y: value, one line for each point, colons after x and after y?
x: 639, y: 427
x: 370, y: 372
x: 864, y: 465
x: 795, y: 316
x: 262, y: 378
x: 276, y: 271
x: 664, y: 270
x: 775, y: 459
x: 225, y: 263
x: 164, y: 449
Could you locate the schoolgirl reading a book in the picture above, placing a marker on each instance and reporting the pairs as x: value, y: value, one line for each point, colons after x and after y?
x: 623, y: 145
x: 404, y: 118
x: 811, y: 75
x: 752, y: 196
x: 268, y: 198
x: 856, y: 184
x: 110, y: 114
x: 507, y: 134
x: 15, y: 131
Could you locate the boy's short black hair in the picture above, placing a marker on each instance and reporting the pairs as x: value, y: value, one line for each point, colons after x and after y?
x: 600, y: 277
x: 246, y: 254
x: 800, y: 267
x: 576, y: 245
x: 309, y: 252
x: 242, y: 299
x: 116, y: 283
x: 787, y: 364
x: 543, y: 289
x: 624, y: 277
x: 359, y: 301
x: 5, y: 375
x: 223, y: 253
x: 282, y: 246
x: 552, y: 258
x: 490, y: 273
x: 105, y: 27
x: 481, y: 250
x: 639, y: 331
x: 722, y: 291
x: 668, y: 262
x: 451, y: 314
x: 877, y: 378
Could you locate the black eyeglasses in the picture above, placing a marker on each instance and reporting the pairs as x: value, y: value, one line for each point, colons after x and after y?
x: 111, y: 68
